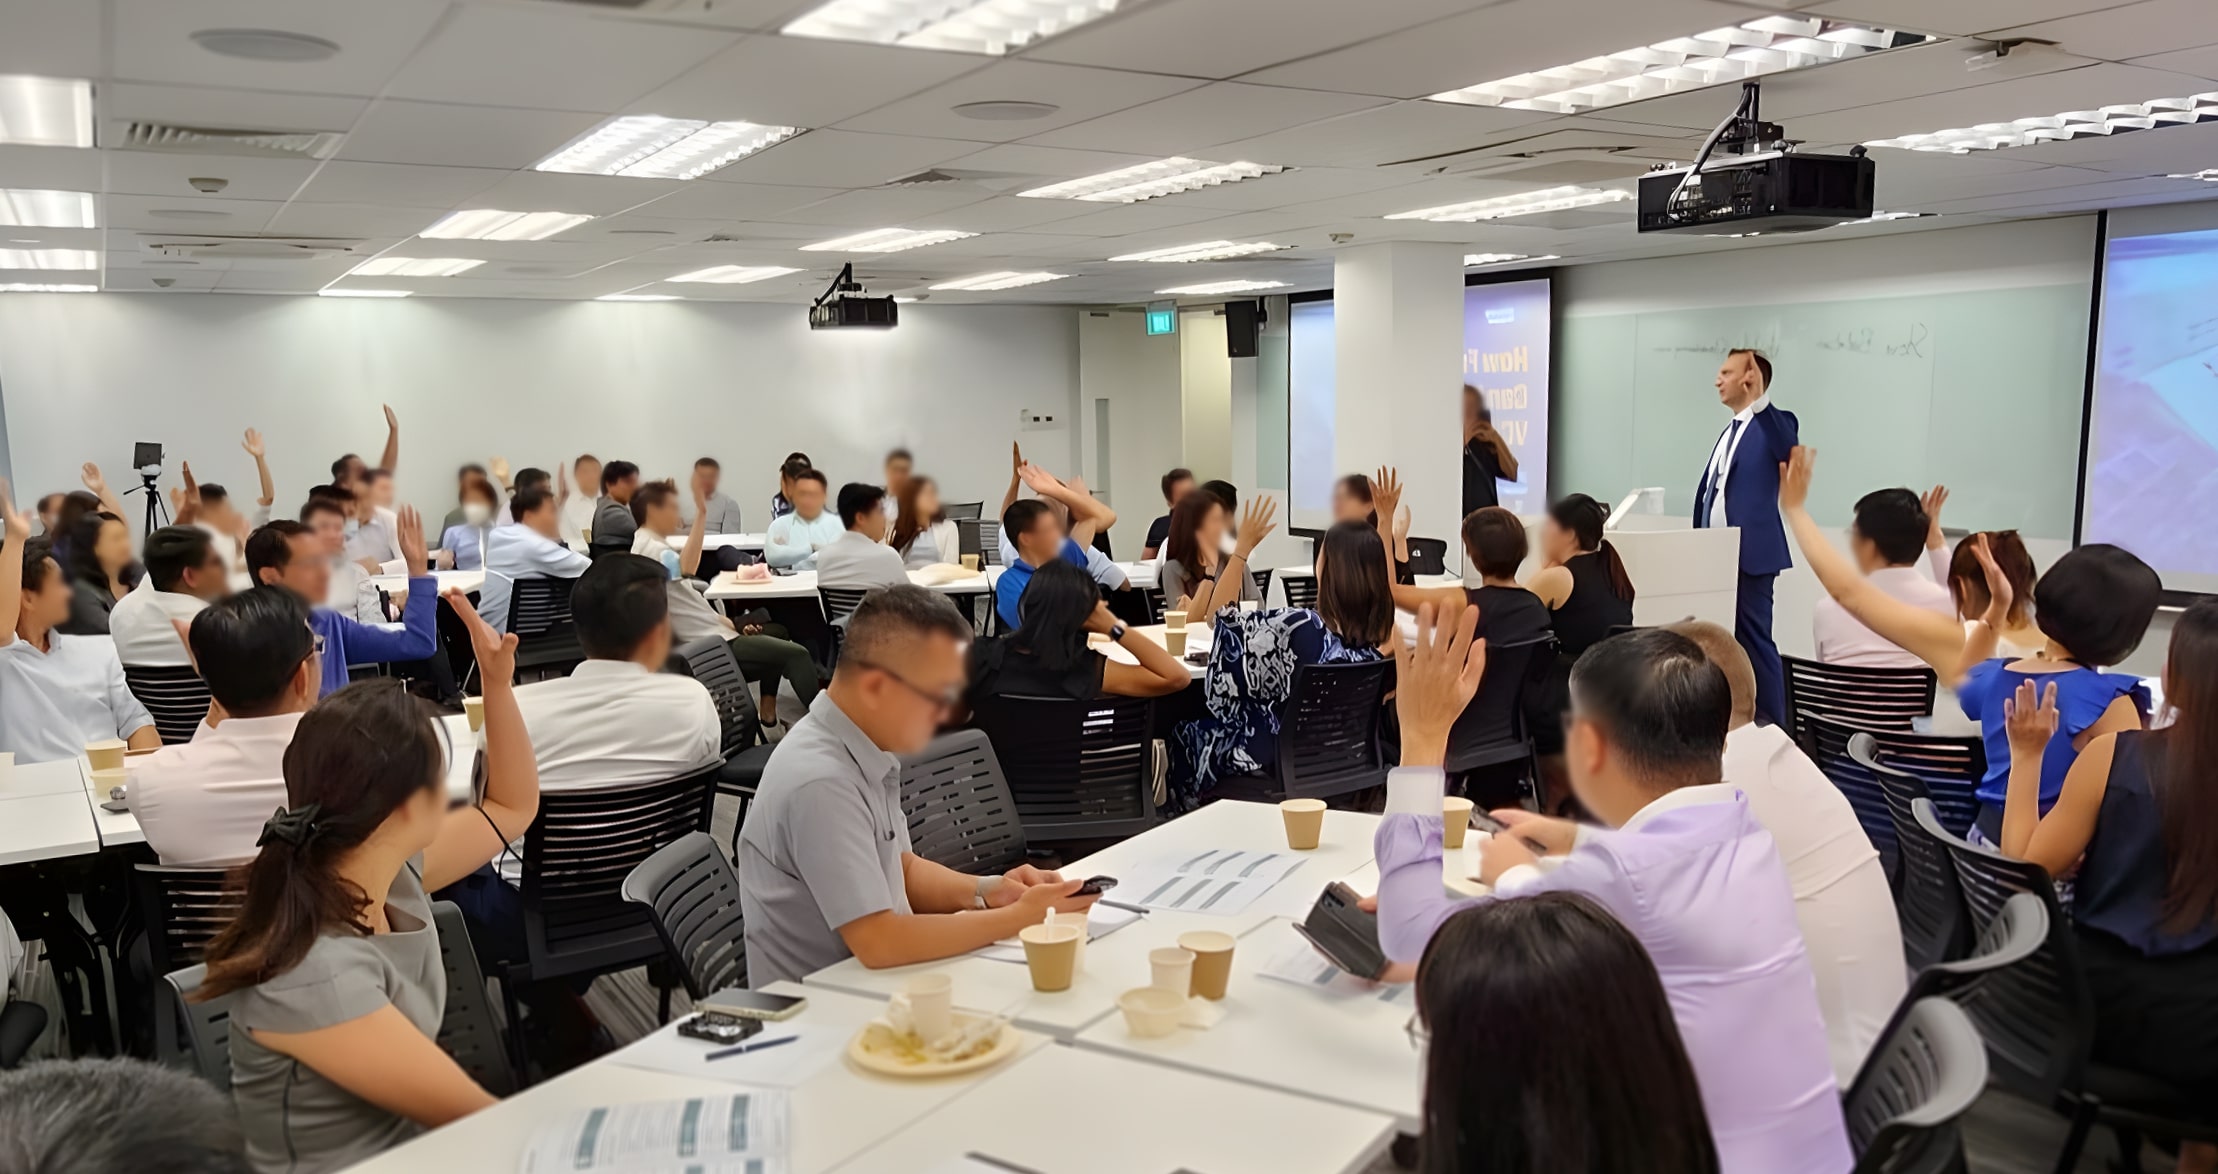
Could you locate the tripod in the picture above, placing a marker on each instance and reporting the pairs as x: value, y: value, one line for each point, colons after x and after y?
x: 155, y: 510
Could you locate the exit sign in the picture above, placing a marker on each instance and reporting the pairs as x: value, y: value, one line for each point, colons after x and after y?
x: 1162, y: 318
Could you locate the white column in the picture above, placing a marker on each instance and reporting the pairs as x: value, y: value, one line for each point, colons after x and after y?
x: 1398, y: 342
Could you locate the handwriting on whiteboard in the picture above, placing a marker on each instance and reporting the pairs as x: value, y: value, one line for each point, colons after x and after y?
x: 1912, y: 342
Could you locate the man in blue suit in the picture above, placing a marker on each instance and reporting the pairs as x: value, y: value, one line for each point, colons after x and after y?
x: 1740, y: 487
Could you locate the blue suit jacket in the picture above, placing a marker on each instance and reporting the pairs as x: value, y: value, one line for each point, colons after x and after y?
x: 1752, y: 490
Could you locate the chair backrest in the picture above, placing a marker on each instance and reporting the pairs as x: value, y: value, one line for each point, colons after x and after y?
x: 1866, y: 698
x: 957, y: 511
x: 183, y: 908
x: 576, y: 856
x: 1946, y: 766
x: 1155, y: 604
x: 692, y: 894
x: 1491, y: 728
x: 176, y: 698
x: 207, y: 1025
x: 598, y: 550
x: 979, y: 536
x: 469, y: 1033
x: 840, y: 602
x: 1929, y: 902
x: 1262, y: 579
x: 959, y: 808
x: 2035, y: 1014
x: 1328, y: 742
x: 1301, y: 590
x: 709, y: 660
x: 1921, y: 1075
x: 539, y: 615
x: 1077, y: 769
x: 1428, y: 556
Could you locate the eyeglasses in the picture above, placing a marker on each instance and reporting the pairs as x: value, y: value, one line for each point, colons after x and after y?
x: 1419, y: 1037
x: 943, y: 701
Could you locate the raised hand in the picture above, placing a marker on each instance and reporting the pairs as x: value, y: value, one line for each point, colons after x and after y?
x: 2030, y: 723
x: 1257, y: 520
x: 18, y: 525
x: 392, y: 421
x: 1386, y: 494
x: 1434, y: 680
x: 1999, y: 593
x: 1037, y: 479
x: 1933, y: 500
x: 499, y: 465
x: 1016, y: 459
x: 496, y: 651
x: 1794, y: 477
x: 90, y: 475
x: 252, y: 444
x: 410, y: 535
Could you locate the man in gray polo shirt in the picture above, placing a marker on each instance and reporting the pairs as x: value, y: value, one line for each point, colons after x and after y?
x: 825, y: 868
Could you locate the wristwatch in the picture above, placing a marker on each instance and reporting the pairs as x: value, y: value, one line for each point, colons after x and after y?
x: 1116, y: 632
x: 985, y: 885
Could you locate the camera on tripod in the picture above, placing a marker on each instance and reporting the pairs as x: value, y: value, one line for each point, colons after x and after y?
x: 146, y: 457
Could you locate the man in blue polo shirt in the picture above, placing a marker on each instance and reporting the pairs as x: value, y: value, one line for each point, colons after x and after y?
x: 1034, y: 529
x: 289, y: 555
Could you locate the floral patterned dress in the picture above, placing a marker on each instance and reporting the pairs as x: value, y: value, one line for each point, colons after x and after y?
x: 1251, y: 672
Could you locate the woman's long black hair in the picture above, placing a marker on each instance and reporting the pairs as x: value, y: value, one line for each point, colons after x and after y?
x: 1583, y: 517
x: 1051, y: 615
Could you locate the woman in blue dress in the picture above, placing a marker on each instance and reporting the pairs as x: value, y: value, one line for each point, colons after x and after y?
x: 1255, y: 653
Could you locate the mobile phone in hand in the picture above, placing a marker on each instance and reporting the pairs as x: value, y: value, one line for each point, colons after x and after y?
x: 1487, y: 823
x: 1095, y: 886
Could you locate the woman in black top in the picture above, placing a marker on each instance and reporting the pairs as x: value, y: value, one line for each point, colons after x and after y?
x: 101, y: 571
x: 1581, y: 579
x: 1047, y: 655
x: 1494, y: 543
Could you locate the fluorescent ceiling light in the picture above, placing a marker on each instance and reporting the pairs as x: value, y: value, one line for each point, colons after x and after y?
x: 48, y: 259
x: 36, y: 287
x: 1772, y: 44
x: 37, y: 208
x: 362, y: 293
x: 45, y: 111
x: 1521, y: 204
x: 2207, y: 175
x: 734, y: 274
x: 650, y: 146
x: 1882, y: 217
x: 1474, y: 260
x: 1002, y: 280
x: 887, y: 240
x: 492, y: 224
x: 968, y: 26
x: 2153, y: 114
x: 1205, y: 251
x: 1146, y: 181
x: 1223, y: 287
x: 638, y: 297
x: 413, y: 267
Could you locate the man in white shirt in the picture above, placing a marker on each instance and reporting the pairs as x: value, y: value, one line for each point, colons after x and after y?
x: 1888, y: 541
x: 860, y: 557
x: 202, y: 803
x: 184, y: 573
x: 578, y: 505
x: 375, y: 535
x: 795, y: 539
x: 531, y: 549
x: 350, y: 592
x: 1841, y: 898
x: 57, y: 692
x: 900, y: 466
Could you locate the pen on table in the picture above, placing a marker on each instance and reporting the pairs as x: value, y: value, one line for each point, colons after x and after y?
x: 1120, y: 905
x: 743, y: 1049
x: 999, y: 1163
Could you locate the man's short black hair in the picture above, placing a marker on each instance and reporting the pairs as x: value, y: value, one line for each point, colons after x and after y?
x: 99, y: 1116
x: 617, y: 602
x: 323, y: 505
x: 1664, y: 706
x: 1225, y: 492
x: 473, y: 469
x: 38, y: 563
x: 337, y: 493
x: 272, y: 546
x: 533, y: 477
x: 173, y: 550
x: 1021, y: 516
x: 890, y: 614
x: 801, y: 457
x: 899, y: 454
x: 248, y: 647
x: 339, y: 467
x: 1172, y: 478
x: 813, y: 475
x: 213, y: 494
x: 857, y: 499
x: 708, y: 463
x: 1895, y: 522
x: 527, y: 499
x: 2097, y: 602
x: 650, y: 495
x: 616, y: 471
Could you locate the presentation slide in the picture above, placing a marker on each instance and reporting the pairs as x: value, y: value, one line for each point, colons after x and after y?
x: 2152, y: 450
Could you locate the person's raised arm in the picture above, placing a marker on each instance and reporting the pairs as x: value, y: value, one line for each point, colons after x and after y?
x: 1158, y: 674
x: 253, y: 446
x: 11, y: 563
x: 689, y: 559
x: 1257, y: 520
x: 1386, y: 506
x: 1087, y: 513
x: 382, y: 1058
x: 472, y: 836
x: 98, y: 484
x: 390, y: 458
x: 1434, y: 680
x: 188, y: 503
x: 1016, y: 477
x: 499, y: 468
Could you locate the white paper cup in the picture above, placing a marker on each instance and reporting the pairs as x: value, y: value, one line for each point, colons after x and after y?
x: 931, y: 999
x: 1172, y: 969
x: 1150, y: 1012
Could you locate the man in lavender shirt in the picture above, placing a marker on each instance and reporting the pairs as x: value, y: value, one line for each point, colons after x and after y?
x: 1683, y: 864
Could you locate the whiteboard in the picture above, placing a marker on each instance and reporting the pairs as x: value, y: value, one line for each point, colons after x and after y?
x: 1981, y: 390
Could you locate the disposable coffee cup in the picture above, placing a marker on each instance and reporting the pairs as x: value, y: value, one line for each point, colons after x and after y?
x: 931, y: 999
x: 473, y: 708
x: 1305, y: 822
x: 1455, y: 820
x: 1212, y: 951
x: 1051, y: 952
x: 1174, y: 621
x: 1151, y: 1012
x: 1174, y: 641
x: 1172, y: 969
x: 106, y: 754
x: 970, y: 562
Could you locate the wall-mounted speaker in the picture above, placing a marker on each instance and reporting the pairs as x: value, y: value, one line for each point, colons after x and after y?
x: 1241, y: 322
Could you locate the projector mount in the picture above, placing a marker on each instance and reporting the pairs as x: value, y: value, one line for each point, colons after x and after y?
x: 1743, y: 132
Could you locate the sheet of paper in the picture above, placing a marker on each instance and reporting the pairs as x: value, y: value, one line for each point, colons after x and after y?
x: 743, y: 1133
x: 1296, y: 961
x: 1218, y: 881
x: 784, y: 1066
x: 1101, y: 921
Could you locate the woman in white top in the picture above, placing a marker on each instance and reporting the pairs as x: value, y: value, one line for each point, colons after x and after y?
x: 577, y: 506
x: 1960, y: 572
x: 922, y: 531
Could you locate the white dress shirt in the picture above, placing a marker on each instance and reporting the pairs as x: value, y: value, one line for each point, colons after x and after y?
x: 611, y: 722
x: 202, y: 803
x: 1721, y: 457
x: 577, y: 517
x: 1841, y: 898
x: 1843, y: 639
x: 53, y: 702
x: 140, y: 625
x: 520, y: 552
x: 792, y: 541
x: 855, y: 561
x: 378, y: 540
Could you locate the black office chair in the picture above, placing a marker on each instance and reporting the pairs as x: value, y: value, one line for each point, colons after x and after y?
x: 1155, y: 604
x: 979, y: 536
x: 1428, y: 556
x: 691, y: 894
x: 709, y: 660
x: 176, y: 698
x: 180, y: 910
x: 21, y: 1024
x: 598, y: 550
x: 1262, y: 579
x: 1301, y: 590
x: 1929, y: 900
x: 1950, y: 769
x: 1077, y: 769
x: 468, y: 1032
x: 1924, y: 1072
x: 207, y: 1025
x: 839, y: 603
x: 1492, y: 730
x: 546, y: 636
x: 957, y: 511
x: 1950, y: 766
x: 960, y: 811
x: 1328, y: 742
x: 1866, y: 698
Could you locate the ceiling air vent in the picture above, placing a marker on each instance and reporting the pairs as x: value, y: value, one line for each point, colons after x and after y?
x: 1000, y: 180
x: 208, y: 140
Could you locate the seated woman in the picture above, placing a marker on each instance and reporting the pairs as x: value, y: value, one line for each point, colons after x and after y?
x: 922, y: 531
x: 1047, y: 655
x: 1966, y: 580
x: 1197, y: 575
x: 1255, y: 653
x: 2138, y: 815
x: 1581, y: 579
x: 1545, y: 1019
x: 334, y: 957
x: 101, y: 571
x: 1494, y: 544
x: 2092, y: 607
x: 465, y: 540
x: 1377, y: 501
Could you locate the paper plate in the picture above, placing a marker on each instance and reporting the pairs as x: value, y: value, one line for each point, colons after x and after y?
x: 888, y: 1062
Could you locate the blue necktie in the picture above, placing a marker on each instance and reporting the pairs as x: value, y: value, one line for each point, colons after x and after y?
x: 1717, y: 475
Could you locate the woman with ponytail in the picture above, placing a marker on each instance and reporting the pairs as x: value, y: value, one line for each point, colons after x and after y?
x: 334, y: 959
x: 1581, y: 579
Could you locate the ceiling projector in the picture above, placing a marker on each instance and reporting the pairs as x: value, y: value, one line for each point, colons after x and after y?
x: 846, y: 306
x: 1761, y: 185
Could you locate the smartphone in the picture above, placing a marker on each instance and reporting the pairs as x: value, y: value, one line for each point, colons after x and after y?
x: 753, y: 1004
x: 1341, y: 931
x: 1487, y: 823
x: 1095, y: 886
x: 719, y: 1028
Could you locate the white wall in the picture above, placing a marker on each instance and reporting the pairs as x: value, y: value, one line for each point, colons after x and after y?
x: 1139, y: 376
x: 658, y: 384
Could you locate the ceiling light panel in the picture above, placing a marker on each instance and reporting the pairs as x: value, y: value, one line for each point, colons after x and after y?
x: 888, y: 240
x: 2207, y: 175
x: 1002, y: 280
x: 1205, y: 251
x: 39, y: 208
x: 734, y: 274
x: 45, y: 111
x: 414, y: 267
x: 362, y: 293
x: 649, y: 146
x: 1475, y: 260
x: 36, y: 287
x: 1222, y: 287
x: 1773, y: 44
x: 638, y: 297
x: 492, y: 224
x: 48, y: 259
x: 2154, y: 114
x: 1146, y: 181
x: 966, y: 26
x: 1521, y: 204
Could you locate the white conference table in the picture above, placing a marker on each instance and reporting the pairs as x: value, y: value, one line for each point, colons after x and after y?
x: 44, y: 813
x: 802, y: 585
x: 736, y: 541
x: 397, y: 585
x: 1155, y: 632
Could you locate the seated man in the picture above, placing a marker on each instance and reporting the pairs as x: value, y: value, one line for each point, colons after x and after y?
x: 722, y: 511
x: 1034, y: 534
x: 1683, y: 863
x: 795, y: 539
x: 530, y: 549
x: 1176, y: 484
x: 56, y: 692
x: 1841, y: 898
x: 218, y: 516
x: 612, y: 518
x: 202, y: 803
x: 1104, y: 569
x: 376, y: 534
x: 1888, y: 541
x: 326, y: 514
x: 184, y: 573
x: 860, y: 557
x: 825, y: 868
x: 289, y: 555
